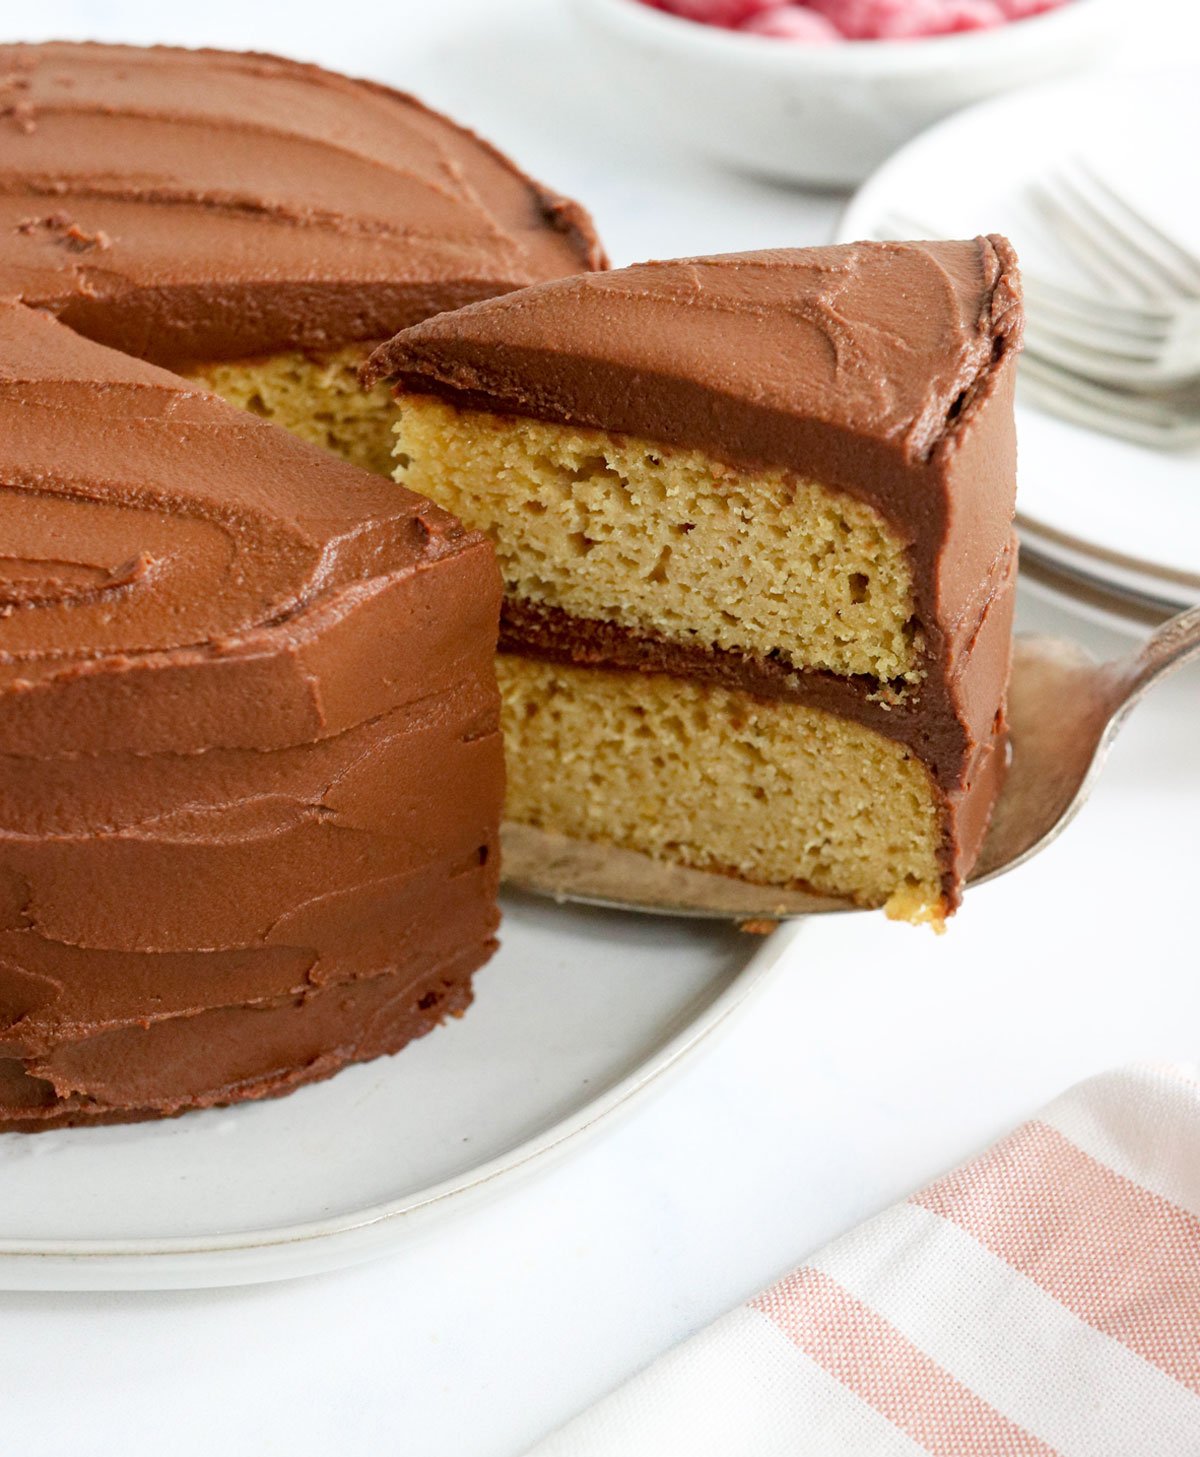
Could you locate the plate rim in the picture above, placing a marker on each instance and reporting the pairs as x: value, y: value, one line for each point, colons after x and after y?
x: 1091, y: 601
x: 193, y: 1262
x: 1051, y: 541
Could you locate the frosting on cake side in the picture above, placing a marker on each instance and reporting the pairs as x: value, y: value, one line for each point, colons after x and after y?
x: 250, y: 771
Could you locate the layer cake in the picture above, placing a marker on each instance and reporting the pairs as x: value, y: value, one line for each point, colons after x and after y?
x: 754, y: 518
x: 250, y: 770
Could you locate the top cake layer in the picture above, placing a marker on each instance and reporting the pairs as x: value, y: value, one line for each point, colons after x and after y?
x: 201, y: 205
x: 881, y: 370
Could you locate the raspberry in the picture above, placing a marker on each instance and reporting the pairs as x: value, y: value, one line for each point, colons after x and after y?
x: 793, y: 22
x: 1020, y: 9
x: 907, y: 19
x: 728, y: 13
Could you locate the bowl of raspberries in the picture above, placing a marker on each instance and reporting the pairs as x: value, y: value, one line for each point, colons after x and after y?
x: 822, y: 91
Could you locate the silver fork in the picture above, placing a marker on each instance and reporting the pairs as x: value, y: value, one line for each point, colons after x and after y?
x: 1144, y: 419
x: 1114, y: 240
x: 1123, y: 367
x: 1133, y: 258
x: 1146, y: 350
x: 1151, y: 342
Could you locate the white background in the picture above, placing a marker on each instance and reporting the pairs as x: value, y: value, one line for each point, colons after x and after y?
x: 880, y: 1057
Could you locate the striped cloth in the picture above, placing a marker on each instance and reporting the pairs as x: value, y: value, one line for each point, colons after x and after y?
x: 1042, y: 1299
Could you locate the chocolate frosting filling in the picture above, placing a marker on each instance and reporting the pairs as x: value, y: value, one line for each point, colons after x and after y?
x: 884, y: 370
x: 201, y: 205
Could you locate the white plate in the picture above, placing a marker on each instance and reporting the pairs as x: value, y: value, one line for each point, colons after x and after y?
x: 1101, y: 498
x: 580, y: 1011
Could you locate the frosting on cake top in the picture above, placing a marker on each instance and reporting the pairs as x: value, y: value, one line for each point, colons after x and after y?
x: 748, y: 354
x: 195, y: 205
x: 156, y: 536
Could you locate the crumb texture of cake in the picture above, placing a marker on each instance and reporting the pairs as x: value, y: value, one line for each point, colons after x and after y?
x: 250, y: 762
x: 782, y: 478
x: 671, y: 542
x: 316, y: 396
x: 773, y: 792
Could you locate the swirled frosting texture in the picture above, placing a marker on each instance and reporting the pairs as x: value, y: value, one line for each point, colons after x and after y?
x: 250, y: 776
x: 881, y: 369
x: 755, y: 356
x: 202, y: 205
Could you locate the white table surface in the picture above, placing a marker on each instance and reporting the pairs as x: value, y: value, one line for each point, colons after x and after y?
x: 880, y: 1057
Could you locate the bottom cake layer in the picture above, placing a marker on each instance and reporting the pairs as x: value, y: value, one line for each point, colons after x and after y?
x: 777, y: 793
x: 232, y: 1054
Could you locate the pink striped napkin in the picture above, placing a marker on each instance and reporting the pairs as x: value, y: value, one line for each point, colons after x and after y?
x: 1042, y: 1299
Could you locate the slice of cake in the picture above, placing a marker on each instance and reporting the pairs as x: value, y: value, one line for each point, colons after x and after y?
x: 257, y: 223
x: 250, y: 762
x: 754, y: 518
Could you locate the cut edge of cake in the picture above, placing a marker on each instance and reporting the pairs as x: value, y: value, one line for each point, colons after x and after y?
x: 584, y: 424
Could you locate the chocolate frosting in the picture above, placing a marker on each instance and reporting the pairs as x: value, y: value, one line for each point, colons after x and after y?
x: 759, y: 357
x: 250, y: 770
x: 882, y: 369
x: 201, y: 205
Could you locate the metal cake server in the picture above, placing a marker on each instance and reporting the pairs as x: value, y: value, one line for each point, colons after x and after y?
x: 1065, y: 710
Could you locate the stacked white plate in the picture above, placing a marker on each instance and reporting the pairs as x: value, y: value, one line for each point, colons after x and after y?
x: 1112, y: 527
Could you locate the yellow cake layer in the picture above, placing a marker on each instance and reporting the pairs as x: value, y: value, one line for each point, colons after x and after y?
x: 774, y: 792
x: 315, y: 396
x: 670, y: 541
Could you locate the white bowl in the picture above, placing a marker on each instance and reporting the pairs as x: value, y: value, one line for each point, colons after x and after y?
x: 827, y: 114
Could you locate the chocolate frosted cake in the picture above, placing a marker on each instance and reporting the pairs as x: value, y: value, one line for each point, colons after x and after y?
x: 250, y: 773
x: 250, y: 769
x: 754, y: 517
x: 257, y: 223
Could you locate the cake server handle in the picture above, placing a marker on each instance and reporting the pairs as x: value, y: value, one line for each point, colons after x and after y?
x: 1172, y: 645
